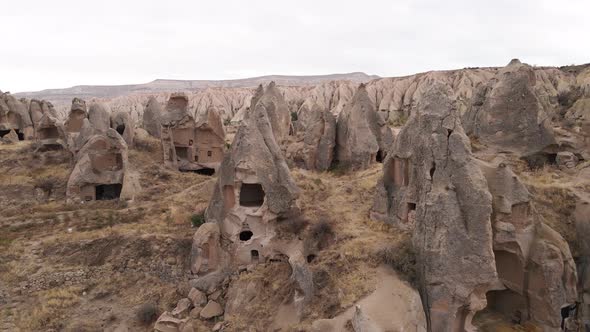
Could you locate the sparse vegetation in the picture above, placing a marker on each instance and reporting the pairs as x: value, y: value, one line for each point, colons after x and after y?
x: 52, y: 305
x: 197, y: 220
x: 47, y: 185
x: 402, y: 258
x: 567, y: 98
x: 147, y: 313
x: 399, y: 121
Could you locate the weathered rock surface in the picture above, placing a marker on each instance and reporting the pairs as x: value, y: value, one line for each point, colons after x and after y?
x: 533, y: 261
x: 14, y: 115
x: 197, y: 297
x: 270, y: 101
x: 211, y: 310
x: 151, y: 117
x: 316, y: 139
x: 51, y: 133
x: 206, y: 253
x: 99, y: 116
x: 507, y: 113
x: 100, y: 169
x: 121, y: 122
x: 362, y: 136
x: 168, y: 323
x: 38, y: 108
x: 480, y: 243
x: 78, y: 112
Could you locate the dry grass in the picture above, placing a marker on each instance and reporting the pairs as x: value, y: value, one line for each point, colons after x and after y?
x: 51, y: 309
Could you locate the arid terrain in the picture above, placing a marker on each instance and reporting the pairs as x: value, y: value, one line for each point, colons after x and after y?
x: 442, y: 201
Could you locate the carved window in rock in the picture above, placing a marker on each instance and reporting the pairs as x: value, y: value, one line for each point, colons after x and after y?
x: 181, y: 152
x: 520, y: 215
x: 108, y: 191
x: 246, y: 235
x: 48, y: 133
x: 251, y: 195
x: 399, y: 171
x: 255, y: 256
x: 120, y: 129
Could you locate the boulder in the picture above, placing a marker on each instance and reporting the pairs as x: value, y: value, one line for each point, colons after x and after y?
x: 363, y: 323
x: 14, y: 115
x: 182, y: 308
x: 99, y: 116
x: 197, y: 297
x: 10, y: 138
x: 211, y: 310
x: 206, y: 254
x: 566, y: 160
x: 51, y: 134
x: 168, y: 323
x: 151, y: 117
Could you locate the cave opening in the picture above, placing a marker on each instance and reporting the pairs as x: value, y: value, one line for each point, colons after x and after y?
x: 108, y: 191
x: 251, y: 195
x: 380, y: 156
x: 246, y: 235
x: 255, y: 256
x: 206, y: 171
x: 120, y: 129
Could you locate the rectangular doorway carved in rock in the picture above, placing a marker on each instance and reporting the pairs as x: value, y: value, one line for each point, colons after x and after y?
x: 251, y: 194
x: 108, y: 191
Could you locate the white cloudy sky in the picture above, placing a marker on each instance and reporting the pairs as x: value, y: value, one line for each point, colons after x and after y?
x: 60, y: 43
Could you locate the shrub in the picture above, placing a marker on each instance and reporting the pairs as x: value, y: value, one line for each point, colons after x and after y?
x: 402, y: 258
x: 321, y: 232
x: 146, y: 144
x: 147, y: 313
x: 197, y: 220
x: 47, y: 185
x: 569, y: 97
x: 227, y: 122
x: 399, y: 121
x: 294, y: 225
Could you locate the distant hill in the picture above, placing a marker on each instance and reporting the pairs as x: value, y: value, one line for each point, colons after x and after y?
x: 164, y: 85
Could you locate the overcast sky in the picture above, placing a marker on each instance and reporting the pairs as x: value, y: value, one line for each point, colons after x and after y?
x: 61, y: 43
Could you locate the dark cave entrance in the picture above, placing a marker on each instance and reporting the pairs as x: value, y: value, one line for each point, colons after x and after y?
x: 380, y: 156
x: 246, y: 235
x: 206, y: 171
x: 108, y: 191
x: 255, y: 256
x: 120, y: 129
x: 251, y: 195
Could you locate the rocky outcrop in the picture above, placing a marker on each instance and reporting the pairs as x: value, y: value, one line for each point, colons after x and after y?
x: 534, y: 263
x: 480, y: 243
x: 51, y: 134
x: 99, y: 116
x: 315, y: 139
x: 38, y: 108
x: 253, y: 193
x: 78, y: 113
x: 151, y: 117
x: 362, y: 136
x: 190, y: 145
x: 121, y: 122
x: 101, y: 170
x: 507, y: 113
x: 14, y: 115
x: 271, y: 102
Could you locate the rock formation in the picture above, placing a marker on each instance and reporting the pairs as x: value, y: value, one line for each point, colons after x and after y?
x: 272, y: 103
x: 101, y: 170
x: 121, y: 122
x: 480, y: 243
x: 151, y: 117
x: 362, y: 136
x: 14, y: 115
x: 507, y: 113
x: 37, y: 108
x: 99, y: 116
x: 534, y: 263
x: 51, y: 134
x: 190, y: 145
x: 316, y: 139
x: 78, y: 113
x: 253, y: 193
